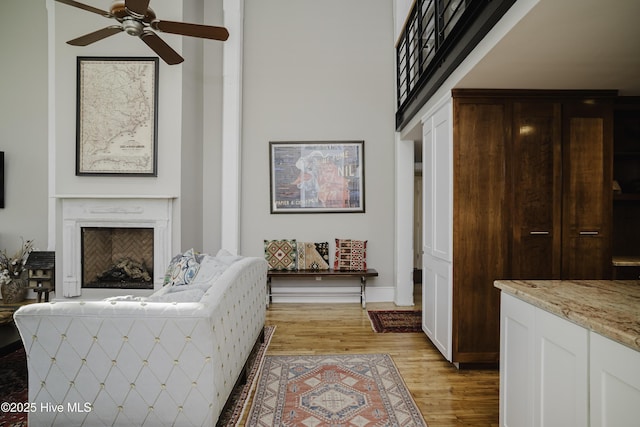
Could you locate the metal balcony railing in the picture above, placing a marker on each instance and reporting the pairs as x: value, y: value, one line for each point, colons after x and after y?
x: 437, y: 36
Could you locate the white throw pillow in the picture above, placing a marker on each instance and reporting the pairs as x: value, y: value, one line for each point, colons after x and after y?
x: 210, y: 269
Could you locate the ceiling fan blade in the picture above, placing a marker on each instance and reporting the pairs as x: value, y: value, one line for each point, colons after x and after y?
x: 193, y: 30
x: 137, y: 7
x: 87, y: 39
x: 86, y: 7
x: 163, y: 50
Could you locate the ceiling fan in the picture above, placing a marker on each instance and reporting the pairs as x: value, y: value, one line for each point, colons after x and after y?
x: 136, y: 18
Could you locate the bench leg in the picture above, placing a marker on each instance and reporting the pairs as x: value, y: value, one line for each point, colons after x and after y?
x: 268, y: 291
x: 363, y: 294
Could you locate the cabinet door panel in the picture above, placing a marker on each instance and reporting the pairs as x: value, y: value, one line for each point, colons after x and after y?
x: 535, y: 164
x: 614, y: 383
x: 442, y: 164
x: 587, y: 200
x: 517, y: 361
x: 561, y: 372
x: 481, y: 231
x: 428, y: 184
x: 436, y: 303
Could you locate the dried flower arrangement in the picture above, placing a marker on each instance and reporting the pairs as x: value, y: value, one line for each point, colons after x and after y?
x: 13, y: 267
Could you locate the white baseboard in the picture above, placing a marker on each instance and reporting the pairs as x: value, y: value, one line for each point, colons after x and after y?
x: 343, y: 294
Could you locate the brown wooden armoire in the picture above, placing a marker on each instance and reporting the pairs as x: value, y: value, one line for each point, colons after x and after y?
x: 532, y: 199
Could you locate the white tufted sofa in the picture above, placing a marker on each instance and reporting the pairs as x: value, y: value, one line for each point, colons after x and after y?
x: 141, y: 363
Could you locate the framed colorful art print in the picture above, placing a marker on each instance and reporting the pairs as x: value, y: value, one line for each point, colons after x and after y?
x: 117, y: 115
x: 317, y: 177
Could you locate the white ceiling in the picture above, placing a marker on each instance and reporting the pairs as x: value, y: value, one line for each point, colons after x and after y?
x: 567, y: 44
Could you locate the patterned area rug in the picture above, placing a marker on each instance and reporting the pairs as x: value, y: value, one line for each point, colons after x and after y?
x: 334, y: 390
x: 232, y: 415
x: 13, y: 386
x: 396, y: 320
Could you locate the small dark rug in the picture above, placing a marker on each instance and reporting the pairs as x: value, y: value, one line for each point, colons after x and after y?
x: 396, y: 320
x: 14, y: 386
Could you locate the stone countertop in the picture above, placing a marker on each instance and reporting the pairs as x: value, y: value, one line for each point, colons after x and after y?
x: 609, y: 307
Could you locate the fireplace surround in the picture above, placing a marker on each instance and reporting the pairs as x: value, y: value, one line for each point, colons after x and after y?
x: 121, y: 213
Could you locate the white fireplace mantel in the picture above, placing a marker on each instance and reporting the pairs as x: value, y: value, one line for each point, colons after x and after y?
x: 113, y: 211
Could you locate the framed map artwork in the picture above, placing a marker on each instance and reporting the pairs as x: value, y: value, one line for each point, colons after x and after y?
x: 315, y: 177
x: 117, y: 115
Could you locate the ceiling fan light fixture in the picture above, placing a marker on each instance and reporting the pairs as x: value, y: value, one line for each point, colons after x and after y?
x: 136, y: 18
x: 132, y: 27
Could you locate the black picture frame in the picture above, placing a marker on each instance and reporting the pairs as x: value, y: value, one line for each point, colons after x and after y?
x: 316, y: 177
x: 117, y: 116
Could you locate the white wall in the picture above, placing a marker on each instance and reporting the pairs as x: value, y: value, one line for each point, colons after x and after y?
x: 320, y: 71
x: 312, y: 71
x: 23, y: 122
x: 72, y: 22
x: 188, y: 120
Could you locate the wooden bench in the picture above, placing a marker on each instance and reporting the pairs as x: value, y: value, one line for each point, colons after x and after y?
x: 319, y: 275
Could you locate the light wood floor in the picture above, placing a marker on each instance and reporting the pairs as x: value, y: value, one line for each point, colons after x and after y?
x: 445, y: 395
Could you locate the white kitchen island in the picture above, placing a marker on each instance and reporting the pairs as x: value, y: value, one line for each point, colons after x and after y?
x: 569, y: 353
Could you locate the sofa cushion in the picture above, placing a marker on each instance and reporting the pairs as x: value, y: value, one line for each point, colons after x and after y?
x: 350, y: 255
x: 227, y: 257
x: 182, y: 269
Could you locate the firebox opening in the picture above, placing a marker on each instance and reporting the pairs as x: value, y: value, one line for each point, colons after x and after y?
x: 117, y: 257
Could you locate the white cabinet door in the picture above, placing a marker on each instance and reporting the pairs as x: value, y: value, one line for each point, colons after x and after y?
x: 437, y: 279
x: 427, y: 187
x: 436, y: 303
x: 442, y: 172
x: 437, y: 171
x: 561, y: 372
x: 516, y: 361
x: 614, y: 383
x: 543, y: 367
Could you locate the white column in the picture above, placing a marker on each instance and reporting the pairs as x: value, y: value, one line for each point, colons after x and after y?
x: 51, y: 125
x: 404, y: 222
x: 232, y: 125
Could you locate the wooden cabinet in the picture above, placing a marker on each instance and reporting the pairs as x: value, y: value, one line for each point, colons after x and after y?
x: 531, y: 200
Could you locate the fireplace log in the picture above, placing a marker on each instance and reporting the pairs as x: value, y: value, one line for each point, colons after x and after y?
x: 126, y: 270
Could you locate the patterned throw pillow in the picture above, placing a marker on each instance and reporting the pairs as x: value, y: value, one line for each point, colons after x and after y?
x: 350, y: 255
x: 313, y: 256
x: 281, y: 254
x: 182, y: 269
